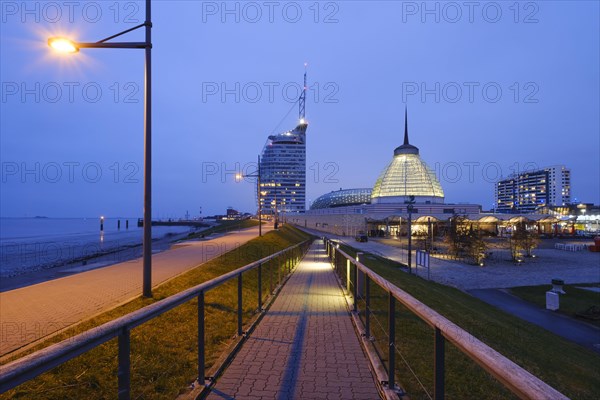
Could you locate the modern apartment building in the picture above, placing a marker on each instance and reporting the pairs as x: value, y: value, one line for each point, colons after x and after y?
x: 527, y: 191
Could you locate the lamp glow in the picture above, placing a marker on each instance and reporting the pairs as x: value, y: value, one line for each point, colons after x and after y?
x: 63, y: 45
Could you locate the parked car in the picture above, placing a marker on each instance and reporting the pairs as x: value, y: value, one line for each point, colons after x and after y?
x: 361, y: 238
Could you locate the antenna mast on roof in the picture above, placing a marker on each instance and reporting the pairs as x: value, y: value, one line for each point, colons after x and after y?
x: 302, y: 99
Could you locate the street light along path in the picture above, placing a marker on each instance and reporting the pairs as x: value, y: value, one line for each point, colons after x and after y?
x: 68, y: 46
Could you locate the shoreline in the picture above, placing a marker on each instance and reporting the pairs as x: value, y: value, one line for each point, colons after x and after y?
x: 120, y: 254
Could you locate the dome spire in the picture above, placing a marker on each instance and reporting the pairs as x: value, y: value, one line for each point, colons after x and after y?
x: 406, y: 148
x: 405, y: 126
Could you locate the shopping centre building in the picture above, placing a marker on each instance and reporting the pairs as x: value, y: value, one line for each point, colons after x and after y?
x: 408, y: 188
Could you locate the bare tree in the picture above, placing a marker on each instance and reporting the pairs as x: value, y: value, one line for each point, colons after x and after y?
x: 465, y: 240
x: 523, y: 239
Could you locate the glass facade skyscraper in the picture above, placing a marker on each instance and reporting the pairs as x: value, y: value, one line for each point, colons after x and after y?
x: 283, y: 172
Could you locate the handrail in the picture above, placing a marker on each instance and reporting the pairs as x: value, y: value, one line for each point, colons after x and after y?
x: 518, y: 380
x: 32, y: 365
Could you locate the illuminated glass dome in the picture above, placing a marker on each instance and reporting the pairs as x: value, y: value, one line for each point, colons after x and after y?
x: 340, y: 198
x: 407, y: 175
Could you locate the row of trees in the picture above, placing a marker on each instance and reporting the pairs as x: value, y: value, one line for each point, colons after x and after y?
x: 466, y: 242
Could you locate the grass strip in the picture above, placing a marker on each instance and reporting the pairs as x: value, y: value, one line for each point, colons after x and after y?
x: 164, y: 350
x: 576, y: 301
x: 566, y: 366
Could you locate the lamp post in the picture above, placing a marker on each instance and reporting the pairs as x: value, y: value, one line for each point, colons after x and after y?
x: 258, y: 193
x: 409, y: 208
x: 276, y: 222
x: 430, y: 227
x: 65, y: 45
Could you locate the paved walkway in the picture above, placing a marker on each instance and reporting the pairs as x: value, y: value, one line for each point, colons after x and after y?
x: 305, y: 347
x: 33, y: 312
x: 578, y: 332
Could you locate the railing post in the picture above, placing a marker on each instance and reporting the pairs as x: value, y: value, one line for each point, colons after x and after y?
x: 438, y: 385
x: 239, y: 316
x: 270, y: 276
x: 278, y: 259
x: 367, y: 307
x: 124, y: 365
x: 348, y: 283
x: 360, y: 277
x: 392, y: 338
x: 355, y: 289
x: 259, y: 287
x: 201, y: 353
x: 333, y: 256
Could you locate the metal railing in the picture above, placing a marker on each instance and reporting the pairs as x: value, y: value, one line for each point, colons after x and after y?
x: 358, y: 277
x: 30, y: 366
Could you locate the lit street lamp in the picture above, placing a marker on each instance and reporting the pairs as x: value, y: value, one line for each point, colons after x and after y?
x: 258, y: 192
x: 65, y: 45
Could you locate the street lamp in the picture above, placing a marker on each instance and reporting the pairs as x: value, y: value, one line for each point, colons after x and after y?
x: 258, y: 192
x: 65, y: 45
x: 410, y: 208
x: 276, y: 223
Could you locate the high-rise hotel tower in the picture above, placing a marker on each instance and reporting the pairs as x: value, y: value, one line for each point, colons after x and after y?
x: 282, y: 167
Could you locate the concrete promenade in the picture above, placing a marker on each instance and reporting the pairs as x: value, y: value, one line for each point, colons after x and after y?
x: 305, y: 347
x: 33, y: 312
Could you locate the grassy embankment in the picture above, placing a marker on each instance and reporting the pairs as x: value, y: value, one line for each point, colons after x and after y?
x: 163, y: 350
x: 566, y: 366
x: 576, y: 301
x: 223, y: 227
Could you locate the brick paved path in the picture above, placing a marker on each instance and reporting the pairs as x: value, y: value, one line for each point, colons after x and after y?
x: 305, y: 347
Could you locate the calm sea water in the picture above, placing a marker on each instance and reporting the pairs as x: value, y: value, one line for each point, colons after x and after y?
x: 28, y: 244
